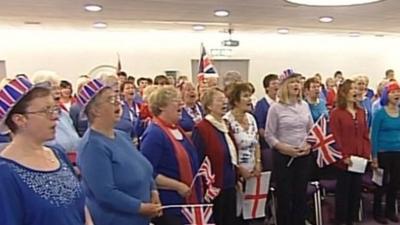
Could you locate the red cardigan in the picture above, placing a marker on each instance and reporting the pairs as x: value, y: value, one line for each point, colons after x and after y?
x: 351, y: 135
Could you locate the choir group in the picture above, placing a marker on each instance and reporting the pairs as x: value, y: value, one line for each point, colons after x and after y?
x: 119, y: 149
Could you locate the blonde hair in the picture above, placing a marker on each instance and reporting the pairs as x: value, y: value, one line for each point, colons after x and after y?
x: 148, y: 90
x: 208, y: 97
x: 161, y: 97
x: 110, y: 80
x: 42, y: 76
x: 284, y: 91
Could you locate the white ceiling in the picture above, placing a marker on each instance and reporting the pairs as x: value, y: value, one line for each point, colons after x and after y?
x: 246, y: 15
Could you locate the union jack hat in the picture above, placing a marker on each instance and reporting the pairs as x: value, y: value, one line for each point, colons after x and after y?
x: 286, y: 74
x: 89, y: 91
x: 10, y: 95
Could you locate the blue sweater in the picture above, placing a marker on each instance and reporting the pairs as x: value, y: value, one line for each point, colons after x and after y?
x: 186, y: 122
x: 31, y: 197
x: 116, y: 178
x: 127, y: 120
x: 385, y: 135
x: 158, y: 149
x: 366, y: 104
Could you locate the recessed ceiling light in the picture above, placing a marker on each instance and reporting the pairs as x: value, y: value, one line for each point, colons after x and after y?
x: 32, y: 23
x: 221, y: 13
x: 326, y: 19
x: 93, y: 8
x: 198, y: 27
x: 283, y: 30
x: 332, y: 2
x: 100, y: 25
x: 354, y: 34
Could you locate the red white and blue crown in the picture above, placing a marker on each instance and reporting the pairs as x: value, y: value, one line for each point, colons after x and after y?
x: 10, y: 95
x: 89, y: 91
x: 286, y: 74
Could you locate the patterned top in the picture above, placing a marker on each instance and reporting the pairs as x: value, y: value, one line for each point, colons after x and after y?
x: 35, y: 197
x: 246, y: 140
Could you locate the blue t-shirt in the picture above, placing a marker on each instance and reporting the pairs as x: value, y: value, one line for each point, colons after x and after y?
x: 116, y: 178
x: 385, y: 133
x: 31, y: 197
x: 319, y: 109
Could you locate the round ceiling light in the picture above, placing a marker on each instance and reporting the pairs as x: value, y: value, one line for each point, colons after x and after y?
x: 332, y: 2
x: 326, y: 19
x: 93, y: 8
x: 354, y: 34
x: 283, y: 30
x: 198, y: 27
x: 100, y: 25
x: 221, y: 13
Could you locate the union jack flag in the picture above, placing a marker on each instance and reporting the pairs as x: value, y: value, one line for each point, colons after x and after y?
x: 322, y: 141
x: 205, y: 171
x: 197, y: 214
x: 206, y: 68
x: 211, y: 193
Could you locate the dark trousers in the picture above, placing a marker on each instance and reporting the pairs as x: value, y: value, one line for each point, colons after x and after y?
x: 291, y: 188
x: 167, y: 220
x: 347, y: 196
x: 224, y: 209
x: 390, y: 163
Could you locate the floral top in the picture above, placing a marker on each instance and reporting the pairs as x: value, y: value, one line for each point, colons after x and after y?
x: 246, y: 140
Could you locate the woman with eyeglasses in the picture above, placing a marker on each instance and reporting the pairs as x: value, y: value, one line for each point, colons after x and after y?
x: 117, y: 179
x: 37, y: 184
x: 350, y: 130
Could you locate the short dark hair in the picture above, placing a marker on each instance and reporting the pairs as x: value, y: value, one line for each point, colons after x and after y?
x: 65, y: 84
x: 237, y: 89
x: 141, y: 79
x: 309, y: 81
x: 342, y: 92
x: 158, y: 79
x: 126, y: 83
x: 388, y: 71
x: 131, y: 78
x: 268, y: 79
x: 149, y: 81
x: 22, y: 105
x: 122, y: 73
x: 337, y: 73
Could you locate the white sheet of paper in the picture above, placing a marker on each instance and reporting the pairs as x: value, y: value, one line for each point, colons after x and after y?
x: 358, y: 164
x: 377, y: 176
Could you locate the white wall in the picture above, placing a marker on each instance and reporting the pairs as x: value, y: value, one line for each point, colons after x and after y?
x: 72, y: 52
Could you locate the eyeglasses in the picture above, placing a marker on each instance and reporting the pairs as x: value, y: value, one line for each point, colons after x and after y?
x: 114, y: 99
x: 49, y: 111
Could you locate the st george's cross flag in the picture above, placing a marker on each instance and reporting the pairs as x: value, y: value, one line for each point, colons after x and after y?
x: 206, y: 68
x: 255, y: 196
x: 197, y: 214
x: 322, y: 141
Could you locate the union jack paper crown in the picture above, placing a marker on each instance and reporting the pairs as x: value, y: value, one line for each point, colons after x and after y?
x: 286, y: 74
x: 11, y: 94
x: 89, y: 91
